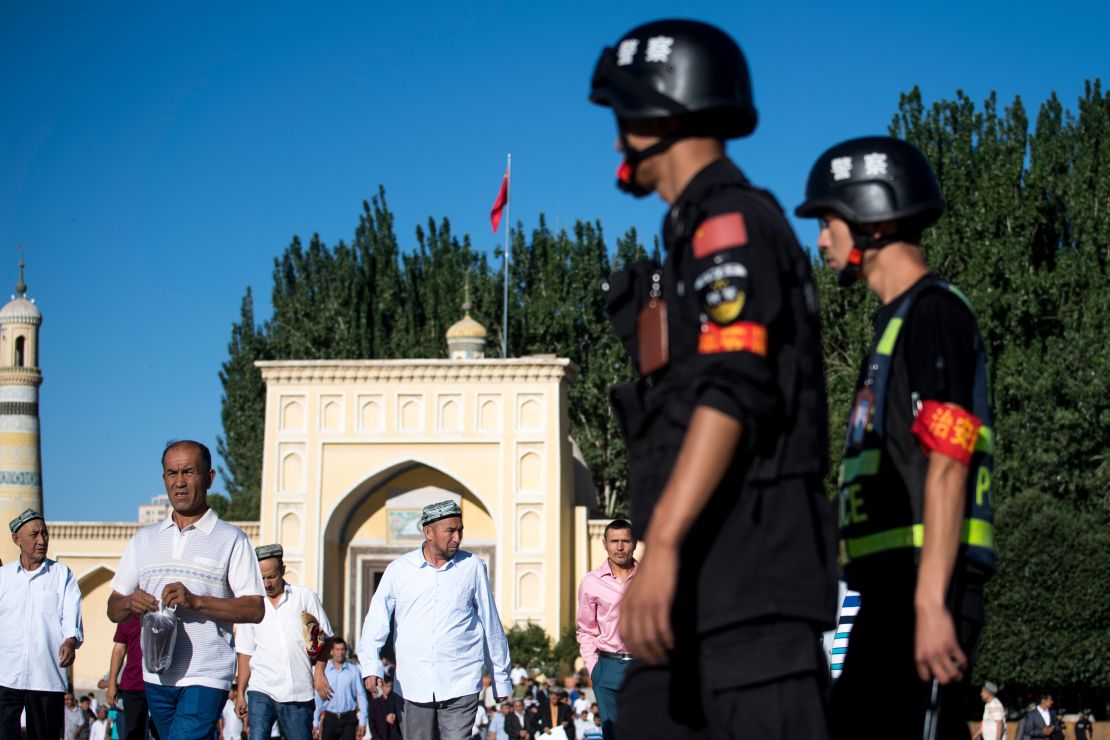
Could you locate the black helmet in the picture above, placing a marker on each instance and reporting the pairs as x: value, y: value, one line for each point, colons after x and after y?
x: 872, y: 179
x: 676, y: 68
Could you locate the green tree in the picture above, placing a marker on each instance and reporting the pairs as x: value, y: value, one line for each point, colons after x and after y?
x: 243, y: 414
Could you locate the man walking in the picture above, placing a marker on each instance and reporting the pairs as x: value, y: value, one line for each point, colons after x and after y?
x: 343, y: 716
x: 725, y: 430
x: 599, y: 612
x: 994, y: 715
x: 203, y: 571
x: 40, y: 620
x: 916, y: 523
x: 279, y: 664
x: 446, y: 625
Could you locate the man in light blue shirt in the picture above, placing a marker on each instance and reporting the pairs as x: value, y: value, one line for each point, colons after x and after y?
x: 344, y: 715
x: 40, y: 620
x: 446, y: 624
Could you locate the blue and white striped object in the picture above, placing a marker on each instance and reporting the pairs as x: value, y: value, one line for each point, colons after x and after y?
x: 845, y: 619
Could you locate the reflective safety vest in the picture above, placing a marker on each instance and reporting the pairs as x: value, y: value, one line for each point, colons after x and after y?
x: 863, y: 531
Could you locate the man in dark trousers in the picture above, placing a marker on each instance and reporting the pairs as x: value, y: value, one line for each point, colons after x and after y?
x: 726, y: 428
x: 916, y: 524
x: 516, y: 722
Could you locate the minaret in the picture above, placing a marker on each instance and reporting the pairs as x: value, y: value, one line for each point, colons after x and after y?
x: 466, y: 339
x: 20, y: 458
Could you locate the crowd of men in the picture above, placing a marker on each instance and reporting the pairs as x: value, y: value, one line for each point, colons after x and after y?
x: 714, y: 632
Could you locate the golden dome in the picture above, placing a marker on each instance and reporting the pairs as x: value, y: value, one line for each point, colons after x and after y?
x: 467, y: 328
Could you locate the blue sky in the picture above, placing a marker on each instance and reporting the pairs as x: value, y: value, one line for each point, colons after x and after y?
x: 156, y: 157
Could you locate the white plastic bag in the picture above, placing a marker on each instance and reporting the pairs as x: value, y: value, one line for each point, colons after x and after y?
x: 159, y: 635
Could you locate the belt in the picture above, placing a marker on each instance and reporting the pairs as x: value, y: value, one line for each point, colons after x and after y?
x: 339, y: 715
x: 623, y: 657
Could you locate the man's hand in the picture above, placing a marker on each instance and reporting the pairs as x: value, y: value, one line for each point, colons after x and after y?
x: 936, y: 651
x: 320, y: 682
x: 390, y: 718
x: 66, y: 652
x: 645, y: 622
x: 141, y: 602
x: 241, y: 706
x: 373, y: 684
x: 175, y: 594
x: 316, y: 732
x: 113, y: 692
x: 360, y: 732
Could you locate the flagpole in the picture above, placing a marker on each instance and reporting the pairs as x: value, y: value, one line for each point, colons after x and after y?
x: 508, y: 228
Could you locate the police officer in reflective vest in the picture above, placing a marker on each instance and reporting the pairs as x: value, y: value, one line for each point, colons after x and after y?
x: 916, y: 525
x: 726, y: 428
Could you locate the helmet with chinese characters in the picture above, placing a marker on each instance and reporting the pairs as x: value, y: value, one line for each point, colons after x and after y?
x: 873, y: 179
x: 677, y: 68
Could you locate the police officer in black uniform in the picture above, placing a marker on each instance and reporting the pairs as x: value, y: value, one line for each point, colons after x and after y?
x: 916, y: 525
x: 726, y: 428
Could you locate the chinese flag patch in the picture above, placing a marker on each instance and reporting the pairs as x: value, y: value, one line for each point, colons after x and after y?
x: 720, y: 232
x: 947, y: 429
x: 743, y: 336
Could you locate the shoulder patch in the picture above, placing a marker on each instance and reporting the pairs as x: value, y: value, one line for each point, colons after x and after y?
x: 720, y: 232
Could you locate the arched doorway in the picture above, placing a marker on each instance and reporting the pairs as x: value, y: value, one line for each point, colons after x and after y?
x: 378, y: 521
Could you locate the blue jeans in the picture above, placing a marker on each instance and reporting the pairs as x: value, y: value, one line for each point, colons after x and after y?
x: 185, y: 712
x: 607, y: 677
x: 294, y: 717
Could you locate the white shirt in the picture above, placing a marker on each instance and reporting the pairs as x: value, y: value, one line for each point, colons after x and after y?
x: 97, y: 729
x: 212, y: 558
x: 446, y: 624
x: 581, y: 704
x: 39, y: 609
x: 279, y: 658
x: 233, y: 726
x: 1044, y: 715
x: 518, y: 674
x: 993, y: 713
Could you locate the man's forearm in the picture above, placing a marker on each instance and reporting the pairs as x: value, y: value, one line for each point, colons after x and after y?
x: 118, y: 607
x: 240, y: 610
x: 118, y: 651
x: 943, y: 522
x: 243, y: 664
x: 705, y: 455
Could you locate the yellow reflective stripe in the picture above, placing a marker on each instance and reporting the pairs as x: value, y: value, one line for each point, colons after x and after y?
x: 985, y: 441
x: 976, y: 533
x: 865, y: 463
x: 890, y: 336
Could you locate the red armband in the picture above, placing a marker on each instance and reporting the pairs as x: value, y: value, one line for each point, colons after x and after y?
x: 948, y: 429
x: 743, y: 336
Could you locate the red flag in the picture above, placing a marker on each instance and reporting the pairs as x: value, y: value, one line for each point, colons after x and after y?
x: 500, y: 203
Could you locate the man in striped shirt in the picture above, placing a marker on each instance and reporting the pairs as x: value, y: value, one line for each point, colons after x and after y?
x: 203, y: 571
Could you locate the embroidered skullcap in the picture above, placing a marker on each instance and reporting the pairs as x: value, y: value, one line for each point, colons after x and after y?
x: 991, y: 687
x: 269, y: 551
x: 439, y: 510
x: 27, y: 516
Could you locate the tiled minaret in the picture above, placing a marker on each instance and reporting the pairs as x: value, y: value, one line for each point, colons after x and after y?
x: 20, y: 377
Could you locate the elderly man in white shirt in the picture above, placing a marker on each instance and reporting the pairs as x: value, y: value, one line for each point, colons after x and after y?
x: 277, y: 674
x: 446, y: 624
x: 40, y: 619
x: 201, y: 570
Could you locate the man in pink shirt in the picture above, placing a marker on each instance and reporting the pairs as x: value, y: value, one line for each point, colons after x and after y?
x: 599, y: 613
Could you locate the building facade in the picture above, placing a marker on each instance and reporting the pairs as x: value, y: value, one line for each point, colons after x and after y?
x: 354, y: 450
